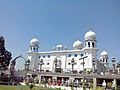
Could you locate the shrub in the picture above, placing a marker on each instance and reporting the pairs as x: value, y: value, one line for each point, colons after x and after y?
x: 31, y: 86
x: 109, y: 85
x: 27, y: 83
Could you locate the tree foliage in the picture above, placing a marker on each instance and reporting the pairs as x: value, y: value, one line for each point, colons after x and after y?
x: 5, y: 56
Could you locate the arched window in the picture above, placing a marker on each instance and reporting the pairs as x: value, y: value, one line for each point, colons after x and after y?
x: 39, y: 56
x: 75, y: 55
x: 69, y: 55
x: 48, y: 56
x: 81, y: 54
x: 47, y: 63
x: 93, y: 45
x: 44, y: 56
x: 106, y: 60
x: 34, y: 49
x: 103, y: 60
x: 69, y: 63
x: 88, y: 44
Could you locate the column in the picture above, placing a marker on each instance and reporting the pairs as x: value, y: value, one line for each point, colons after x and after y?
x: 115, y: 81
x: 94, y: 83
x: 39, y: 76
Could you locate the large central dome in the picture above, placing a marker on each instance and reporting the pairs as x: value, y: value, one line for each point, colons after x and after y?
x: 90, y: 35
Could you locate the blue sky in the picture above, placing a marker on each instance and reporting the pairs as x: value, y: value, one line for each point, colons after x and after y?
x: 59, y: 22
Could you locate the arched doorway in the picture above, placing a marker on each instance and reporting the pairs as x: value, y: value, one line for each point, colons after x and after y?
x: 57, y: 64
x: 13, y: 62
x: 12, y: 68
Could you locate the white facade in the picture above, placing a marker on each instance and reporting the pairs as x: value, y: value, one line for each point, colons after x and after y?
x: 64, y: 56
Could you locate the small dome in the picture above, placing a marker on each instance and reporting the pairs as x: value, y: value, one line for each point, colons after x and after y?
x: 77, y: 44
x: 59, y: 47
x: 103, y: 53
x: 34, y: 42
x: 90, y: 35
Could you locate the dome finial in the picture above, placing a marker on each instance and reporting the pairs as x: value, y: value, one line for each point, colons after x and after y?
x: 78, y: 38
x: 90, y: 28
x: 35, y: 36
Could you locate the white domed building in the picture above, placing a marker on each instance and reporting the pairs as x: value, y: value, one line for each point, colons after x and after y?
x: 32, y: 56
x: 62, y: 59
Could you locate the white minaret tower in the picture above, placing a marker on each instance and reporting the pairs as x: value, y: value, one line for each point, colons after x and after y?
x: 90, y: 43
x: 32, y: 54
x: 34, y: 45
x: 90, y: 48
x: 104, y: 58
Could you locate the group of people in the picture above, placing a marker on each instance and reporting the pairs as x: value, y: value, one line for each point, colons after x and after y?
x: 104, y: 84
x: 63, y: 82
